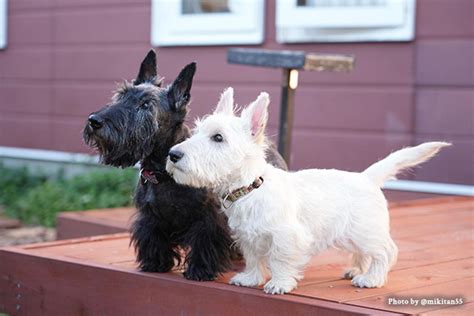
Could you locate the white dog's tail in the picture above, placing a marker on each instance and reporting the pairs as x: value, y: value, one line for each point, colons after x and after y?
x: 387, y: 169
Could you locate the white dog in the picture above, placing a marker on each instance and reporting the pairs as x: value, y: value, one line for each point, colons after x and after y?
x: 280, y: 219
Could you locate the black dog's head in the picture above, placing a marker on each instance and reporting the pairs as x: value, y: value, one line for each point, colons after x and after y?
x: 140, y: 116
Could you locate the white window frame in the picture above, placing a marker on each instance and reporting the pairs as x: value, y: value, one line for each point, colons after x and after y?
x: 244, y: 25
x: 3, y: 24
x: 394, y: 22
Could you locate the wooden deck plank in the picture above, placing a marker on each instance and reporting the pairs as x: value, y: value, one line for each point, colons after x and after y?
x: 426, y: 228
x: 453, y: 236
x: 426, y: 256
x: 343, y: 291
x: 429, y: 209
x: 411, y: 226
x: 433, y: 202
x: 104, y: 252
x: 463, y: 310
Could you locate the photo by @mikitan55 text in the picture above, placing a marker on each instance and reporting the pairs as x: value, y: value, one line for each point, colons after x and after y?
x: 425, y: 301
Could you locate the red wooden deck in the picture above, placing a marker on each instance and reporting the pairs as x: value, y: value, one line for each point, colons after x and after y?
x: 97, y: 276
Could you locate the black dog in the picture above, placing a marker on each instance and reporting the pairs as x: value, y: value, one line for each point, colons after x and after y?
x: 143, y: 121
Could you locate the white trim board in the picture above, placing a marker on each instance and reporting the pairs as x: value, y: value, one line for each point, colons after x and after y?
x: 344, y: 22
x: 430, y: 187
x: 244, y: 24
x: 48, y: 156
x: 3, y: 24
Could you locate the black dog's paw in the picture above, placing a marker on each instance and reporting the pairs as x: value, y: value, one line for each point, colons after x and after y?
x: 197, y: 275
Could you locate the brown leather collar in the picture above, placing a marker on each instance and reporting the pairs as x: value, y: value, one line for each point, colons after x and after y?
x: 229, y: 198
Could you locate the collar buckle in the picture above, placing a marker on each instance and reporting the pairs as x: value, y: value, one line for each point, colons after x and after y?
x: 226, y: 202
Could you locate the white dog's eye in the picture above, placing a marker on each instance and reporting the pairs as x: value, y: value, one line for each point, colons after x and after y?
x: 217, y: 138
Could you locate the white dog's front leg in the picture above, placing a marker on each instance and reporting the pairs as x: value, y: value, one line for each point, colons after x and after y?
x: 289, y: 254
x: 253, y: 274
x: 284, y: 276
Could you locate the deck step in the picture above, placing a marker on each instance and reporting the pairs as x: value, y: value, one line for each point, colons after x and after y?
x: 98, y: 276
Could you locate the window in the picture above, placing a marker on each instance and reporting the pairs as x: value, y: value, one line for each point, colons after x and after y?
x: 3, y: 24
x: 207, y: 22
x: 345, y: 20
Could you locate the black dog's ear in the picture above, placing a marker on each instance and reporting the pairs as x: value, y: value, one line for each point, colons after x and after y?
x: 179, y: 92
x: 147, y: 71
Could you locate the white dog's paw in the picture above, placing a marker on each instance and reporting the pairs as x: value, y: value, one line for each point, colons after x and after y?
x: 279, y: 286
x: 350, y: 273
x: 245, y: 279
x: 368, y: 280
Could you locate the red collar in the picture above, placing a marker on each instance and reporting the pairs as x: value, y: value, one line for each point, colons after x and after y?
x: 148, y: 176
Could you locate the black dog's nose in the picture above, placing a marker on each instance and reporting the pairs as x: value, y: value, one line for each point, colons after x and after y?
x: 95, y: 121
x: 175, y: 155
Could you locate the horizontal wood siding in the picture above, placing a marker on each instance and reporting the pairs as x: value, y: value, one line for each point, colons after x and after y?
x: 65, y: 56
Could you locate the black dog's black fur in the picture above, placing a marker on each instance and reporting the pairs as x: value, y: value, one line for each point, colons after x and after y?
x: 143, y: 121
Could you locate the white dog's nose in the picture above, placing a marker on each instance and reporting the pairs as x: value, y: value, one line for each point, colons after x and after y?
x: 175, y: 155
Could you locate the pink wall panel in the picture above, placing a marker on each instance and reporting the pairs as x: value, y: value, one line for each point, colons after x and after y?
x: 78, y: 99
x: 96, y: 3
x: 453, y: 165
x: 354, y: 108
x: 444, y: 111
x: 106, y: 63
x: 30, y: 4
x: 343, y: 150
x: 26, y: 63
x: 29, y: 98
x: 441, y: 18
x: 25, y: 131
x: 445, y: 62
x: 205, y: 97
x: 65, y: 57
x: 30, y: 27
x: 104, y: 25
x: 67, y: 134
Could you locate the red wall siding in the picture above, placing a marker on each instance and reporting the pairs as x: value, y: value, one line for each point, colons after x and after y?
x: 64, y: 57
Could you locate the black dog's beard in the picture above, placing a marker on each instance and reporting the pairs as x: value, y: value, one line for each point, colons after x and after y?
x: 116, y: 148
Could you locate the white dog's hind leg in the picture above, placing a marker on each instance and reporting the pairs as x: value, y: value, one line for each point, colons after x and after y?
x: 360, y: 265
x: 382, y: 260
x: 253, y: 274
x: 392, y: 252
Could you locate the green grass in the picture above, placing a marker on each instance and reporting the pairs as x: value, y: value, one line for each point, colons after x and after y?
x: 36, y: 199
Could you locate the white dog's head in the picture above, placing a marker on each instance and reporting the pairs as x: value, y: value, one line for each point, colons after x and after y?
x: 226, y: 151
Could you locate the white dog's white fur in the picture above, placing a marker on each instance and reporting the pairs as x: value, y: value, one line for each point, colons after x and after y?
x: 293, y: 215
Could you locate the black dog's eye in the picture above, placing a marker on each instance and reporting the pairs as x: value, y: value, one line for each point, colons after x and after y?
x: 144, y: 105
x: 217, y: 138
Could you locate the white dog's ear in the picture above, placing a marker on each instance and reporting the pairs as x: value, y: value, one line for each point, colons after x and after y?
x: 256, y: 116
x: 226, y: 102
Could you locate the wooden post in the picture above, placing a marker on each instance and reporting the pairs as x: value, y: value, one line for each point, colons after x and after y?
x: 290, y: 62
x: 287, y: 105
